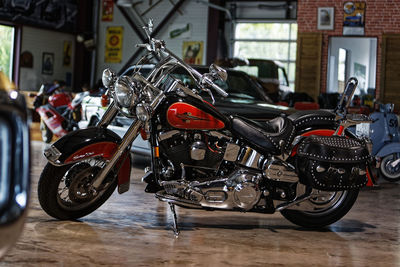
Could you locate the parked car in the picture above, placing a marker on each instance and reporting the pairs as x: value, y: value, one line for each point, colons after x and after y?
x: 14, y: 164
x: 272, y: 77
x: 270, y: 74
x: 246, y: 98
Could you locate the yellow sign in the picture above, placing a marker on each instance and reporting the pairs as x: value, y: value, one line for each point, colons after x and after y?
x: 67, y: 53
x: 193, y: 52
x: 354, y: 14
x: 113, y: 52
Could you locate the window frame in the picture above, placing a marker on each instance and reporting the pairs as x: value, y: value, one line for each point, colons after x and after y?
x: 289, y: 41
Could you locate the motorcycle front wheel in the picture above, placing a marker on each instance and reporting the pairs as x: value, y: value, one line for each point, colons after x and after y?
x: 65, y: 192
x: 323, y: 210
x: 390, y: 173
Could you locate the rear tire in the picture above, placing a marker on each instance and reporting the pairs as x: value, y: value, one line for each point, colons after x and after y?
x: 57, y: 185
x: 47, y: 134
x: 325, y: 211
x: 389, y: 173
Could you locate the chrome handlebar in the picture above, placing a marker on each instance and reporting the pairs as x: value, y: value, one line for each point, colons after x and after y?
x: 158, y: 46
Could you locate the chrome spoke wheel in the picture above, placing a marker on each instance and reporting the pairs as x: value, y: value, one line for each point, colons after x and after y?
x: 325, y: 201
x: 323, y: 208
x: 75, y: 189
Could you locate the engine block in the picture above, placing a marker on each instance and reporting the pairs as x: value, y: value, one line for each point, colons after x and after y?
x: 240, y: 190
x: 195, y: 150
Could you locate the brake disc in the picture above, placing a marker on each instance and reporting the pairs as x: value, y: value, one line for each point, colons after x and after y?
x: 79, y: 182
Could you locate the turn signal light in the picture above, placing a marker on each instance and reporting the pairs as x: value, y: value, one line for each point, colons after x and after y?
x: 105, y: 100
x: 144, y: 134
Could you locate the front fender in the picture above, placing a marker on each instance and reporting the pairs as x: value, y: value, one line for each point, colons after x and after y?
x: 89, y: 143
x: 388, y: 149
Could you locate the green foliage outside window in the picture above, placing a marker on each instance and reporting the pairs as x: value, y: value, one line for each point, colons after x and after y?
x: 6, y: 47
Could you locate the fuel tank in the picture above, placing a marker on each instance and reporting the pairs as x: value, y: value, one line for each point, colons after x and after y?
x: 194, y: 114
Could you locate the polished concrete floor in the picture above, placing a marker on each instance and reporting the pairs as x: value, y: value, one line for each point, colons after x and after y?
x: 134, y: 229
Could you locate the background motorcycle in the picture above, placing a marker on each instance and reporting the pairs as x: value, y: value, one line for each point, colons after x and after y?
x: 385, y: 137
x: 203, y: 159
x: 59, y: 113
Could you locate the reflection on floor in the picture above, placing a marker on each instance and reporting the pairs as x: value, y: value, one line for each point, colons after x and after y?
x: 134, y: 229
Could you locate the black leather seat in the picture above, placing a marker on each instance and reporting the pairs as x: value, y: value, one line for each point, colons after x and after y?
x: 310, y: 118
x: 265, y: 137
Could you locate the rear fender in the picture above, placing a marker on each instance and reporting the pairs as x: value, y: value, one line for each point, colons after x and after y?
x: 390, y: 148
x: 90, y: 143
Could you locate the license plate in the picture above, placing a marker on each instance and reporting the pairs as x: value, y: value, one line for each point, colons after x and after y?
x: 362, y: 129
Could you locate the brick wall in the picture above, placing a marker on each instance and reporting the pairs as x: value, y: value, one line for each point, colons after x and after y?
x: 381, y: 16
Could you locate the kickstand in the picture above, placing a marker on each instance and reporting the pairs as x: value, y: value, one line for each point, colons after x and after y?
x: 176, y: 230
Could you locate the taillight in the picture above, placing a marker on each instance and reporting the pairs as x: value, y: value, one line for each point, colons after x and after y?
x: 104, y: 100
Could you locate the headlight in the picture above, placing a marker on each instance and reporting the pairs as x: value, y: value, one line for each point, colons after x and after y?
x: 125, y: 92
x: 108, y: 77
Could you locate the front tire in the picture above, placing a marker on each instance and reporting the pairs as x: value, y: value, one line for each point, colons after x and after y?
x: 390, y: 173
x: 64, y: 192
x: 325, y: 211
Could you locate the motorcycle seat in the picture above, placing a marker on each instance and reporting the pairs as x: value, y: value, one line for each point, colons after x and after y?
x: 266, y: 137
x: 309, y: 118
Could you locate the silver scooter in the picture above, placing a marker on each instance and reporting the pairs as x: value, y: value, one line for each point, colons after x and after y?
x: 385, y: 136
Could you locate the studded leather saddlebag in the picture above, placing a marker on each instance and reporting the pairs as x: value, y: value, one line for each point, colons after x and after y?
x: 332, y: 163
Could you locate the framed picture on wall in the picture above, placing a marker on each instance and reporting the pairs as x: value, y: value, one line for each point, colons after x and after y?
x: 326, y: 18
x: 47, y: 63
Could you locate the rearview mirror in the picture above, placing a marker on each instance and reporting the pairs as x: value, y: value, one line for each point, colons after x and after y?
x: 219, y: 72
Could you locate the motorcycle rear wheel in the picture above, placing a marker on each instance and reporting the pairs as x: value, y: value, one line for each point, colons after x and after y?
x: 64, y: 191
x: 47, y: 134
x: 389, y: 173
x: 326, y: 211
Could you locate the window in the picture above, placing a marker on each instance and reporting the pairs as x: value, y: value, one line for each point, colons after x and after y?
x: 6, y: 49
x: 273, y: 41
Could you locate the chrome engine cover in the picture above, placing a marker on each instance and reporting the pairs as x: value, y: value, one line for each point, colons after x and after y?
x: 239, y: 191
x: 279, y: 170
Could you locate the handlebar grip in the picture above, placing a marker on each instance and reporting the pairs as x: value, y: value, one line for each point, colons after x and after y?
x: 219, y: 90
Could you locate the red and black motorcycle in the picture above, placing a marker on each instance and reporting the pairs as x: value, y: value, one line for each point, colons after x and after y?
x: 59, y: 113
x: 204, y: 159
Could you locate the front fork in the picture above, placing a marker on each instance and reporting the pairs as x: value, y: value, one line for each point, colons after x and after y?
x: 128, y: 138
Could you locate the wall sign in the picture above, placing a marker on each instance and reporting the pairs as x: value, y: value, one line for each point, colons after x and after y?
x: 354, y: 18
x: 67, y: 53
x: 107, y: 10
x: 47, y: 63
x: 113, y: 52
x: 180, y: 31
x: 26, y: 60
x: 326, y: 18
x: 193, y: 52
